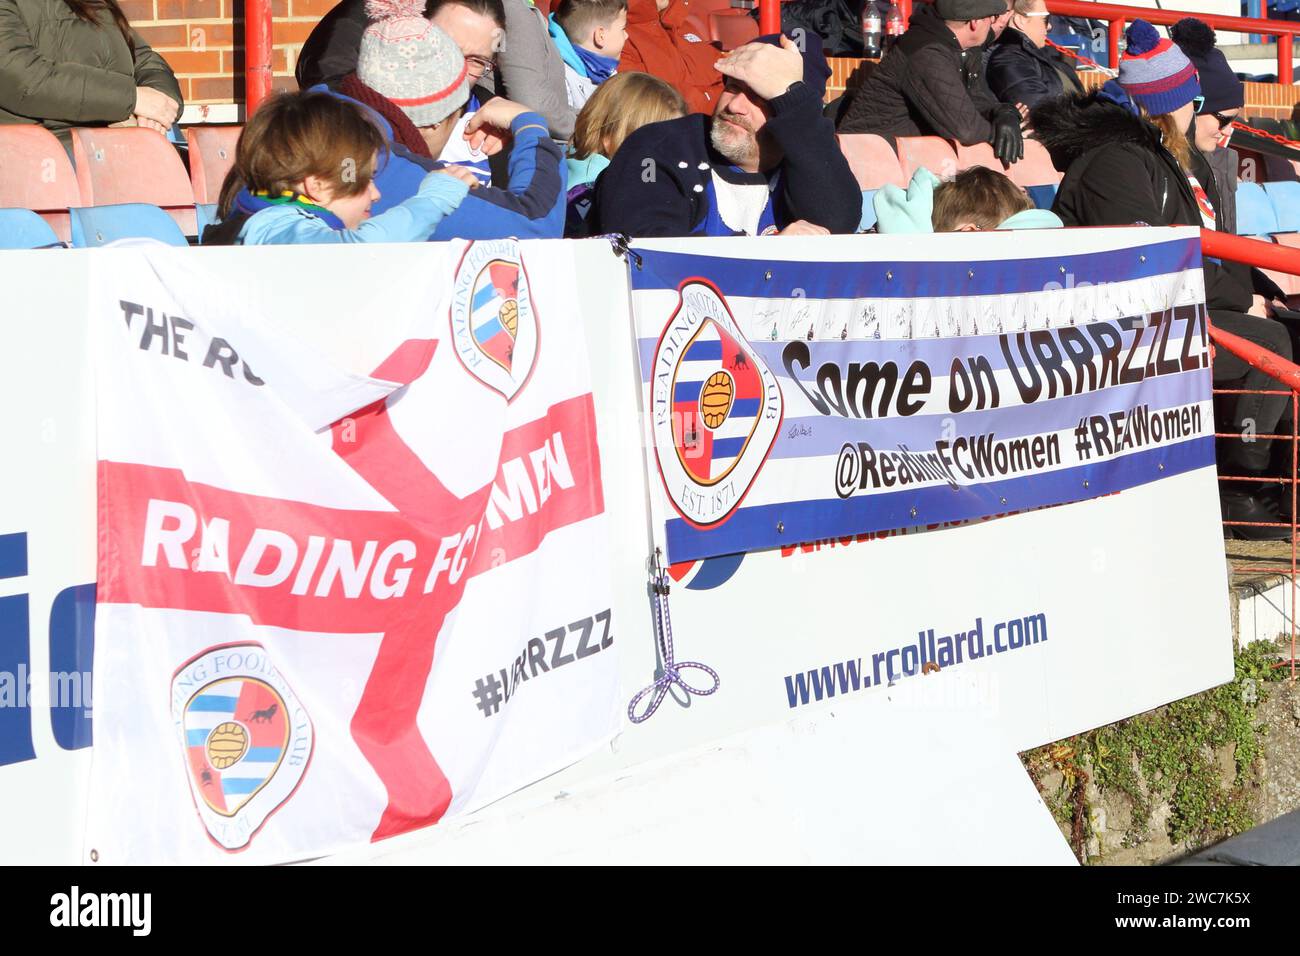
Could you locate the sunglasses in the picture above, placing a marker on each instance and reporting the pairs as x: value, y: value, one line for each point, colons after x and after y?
x: 1198, y: 104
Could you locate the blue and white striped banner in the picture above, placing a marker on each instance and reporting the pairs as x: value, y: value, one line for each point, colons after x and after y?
x: 802, y: 398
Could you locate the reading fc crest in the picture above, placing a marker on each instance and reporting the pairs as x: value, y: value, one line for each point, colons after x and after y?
x: 493, y: 323
x: 246, y: 738
x: 715, y: 407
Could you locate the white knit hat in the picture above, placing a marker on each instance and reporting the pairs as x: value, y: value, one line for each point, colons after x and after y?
x: 414, y: 64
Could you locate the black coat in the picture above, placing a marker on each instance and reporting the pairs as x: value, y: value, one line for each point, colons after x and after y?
x: 1019, y: 72
x: 920, y: 89
x: 657, y: 182
x: 1117, y: 173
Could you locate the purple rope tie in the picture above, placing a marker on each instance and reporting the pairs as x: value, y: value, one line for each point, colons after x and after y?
x: 671, y: 669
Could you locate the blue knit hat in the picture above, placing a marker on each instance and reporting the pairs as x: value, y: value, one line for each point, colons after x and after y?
x: 1155, y: 72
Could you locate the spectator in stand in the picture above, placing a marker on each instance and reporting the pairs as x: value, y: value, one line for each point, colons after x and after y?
x: 406, y: 59
x: 766, y: 162
x: 975, y: 62
x: 919, y: 89
x: 1022, y: 67
x: 590, y: 35
x: 975, y: 200
x: 296, y: 180
x: 1225, y: 97
x: 979, y: 199
x: 66, y: 63
x: 504, y: 42
x: 616, y: 110
x: 1126, y: 159
x: 660, y: 43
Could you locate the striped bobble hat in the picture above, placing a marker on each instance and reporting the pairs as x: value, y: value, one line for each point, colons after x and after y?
x: 414, y: 64
x: 1155, y: 72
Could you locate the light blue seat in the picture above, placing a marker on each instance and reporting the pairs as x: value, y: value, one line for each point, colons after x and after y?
x: 1285, y: 197
x: 868, y: 210
x: 1255, y: 215
x: 99, y: 225
x: 23, y: 229
x: 206, y: 212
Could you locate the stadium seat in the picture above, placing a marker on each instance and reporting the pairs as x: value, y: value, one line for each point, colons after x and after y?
x: 133, y: 165
x: 872, y: 160
x: 1035, y: 167
x: 981, y: 154
x: 207, y: 215
x: 1254, y: 212
x: 1042, y: 196
x: 929, y: 151
x: 732, y: 29
x: 1285, y: 198
x: 1290, y: 284
x: 23, y: 229
x: 99, y: 225
x: 868, y: 210
x: 35, y: 174
x: 212, y: 153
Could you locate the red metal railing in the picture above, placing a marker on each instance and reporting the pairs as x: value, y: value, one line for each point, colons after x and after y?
x: 257, y: 54
x: 1264, y: 255
x: 1118, y: 16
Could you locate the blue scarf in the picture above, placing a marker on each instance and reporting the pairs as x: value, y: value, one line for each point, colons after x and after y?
x: 593, y: 66
x: 253, y: 203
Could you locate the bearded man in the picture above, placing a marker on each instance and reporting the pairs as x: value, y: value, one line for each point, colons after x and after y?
x: 765, y: 163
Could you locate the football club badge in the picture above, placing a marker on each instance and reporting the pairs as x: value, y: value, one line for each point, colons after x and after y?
x: 246, y: 738
x: 493, y: 323
x: 715, y: 407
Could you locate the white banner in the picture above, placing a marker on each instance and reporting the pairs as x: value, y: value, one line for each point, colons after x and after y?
x: 335, y: 607
x: 807, y: 588
x: 1126, y: 593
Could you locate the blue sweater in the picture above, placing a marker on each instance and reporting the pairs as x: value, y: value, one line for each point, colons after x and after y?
x: 410, y: 221
x: 531, y: 207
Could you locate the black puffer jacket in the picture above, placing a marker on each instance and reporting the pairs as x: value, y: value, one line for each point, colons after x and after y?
x: 920, y: 89
x: 1117, y: 173
x: 1019, y: 72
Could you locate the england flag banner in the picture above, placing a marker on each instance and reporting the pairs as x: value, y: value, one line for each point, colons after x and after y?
x: 798, y: 399
x: 353, y: 548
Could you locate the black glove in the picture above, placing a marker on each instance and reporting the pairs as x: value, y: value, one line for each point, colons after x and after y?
x: 1266, y: 287
x: 1008, y: 143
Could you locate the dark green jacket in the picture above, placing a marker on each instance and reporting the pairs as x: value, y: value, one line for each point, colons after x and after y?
x: 60, y: 71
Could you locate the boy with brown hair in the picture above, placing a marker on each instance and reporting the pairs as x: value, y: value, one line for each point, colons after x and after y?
x: 975, y: 200
x: 590, y: 35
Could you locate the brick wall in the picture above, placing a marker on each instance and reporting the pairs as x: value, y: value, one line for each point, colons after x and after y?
x: 203, y: 41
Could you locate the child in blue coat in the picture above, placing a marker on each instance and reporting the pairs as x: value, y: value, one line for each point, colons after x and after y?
x: 304, y: 173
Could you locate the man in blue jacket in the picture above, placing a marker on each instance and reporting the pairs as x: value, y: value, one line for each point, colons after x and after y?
x: 766, y: 162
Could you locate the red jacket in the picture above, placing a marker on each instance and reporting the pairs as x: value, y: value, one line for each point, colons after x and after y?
x: 658, y: 45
